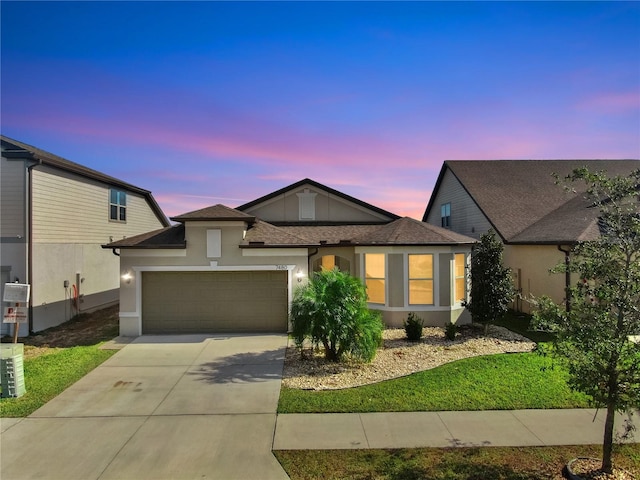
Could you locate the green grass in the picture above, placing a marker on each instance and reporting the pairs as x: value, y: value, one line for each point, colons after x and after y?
x: 48, y: 375
x: 493, y: 382
x: 491, y: 463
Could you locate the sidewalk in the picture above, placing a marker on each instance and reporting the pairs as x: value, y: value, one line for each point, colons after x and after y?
x: 442, y: 429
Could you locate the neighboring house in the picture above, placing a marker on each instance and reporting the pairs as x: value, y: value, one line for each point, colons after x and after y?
x: 55, y: 215
x: 537, y: 220
x: 229, y: 270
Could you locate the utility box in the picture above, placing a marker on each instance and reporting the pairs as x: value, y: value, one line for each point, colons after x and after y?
x: 12, y: 370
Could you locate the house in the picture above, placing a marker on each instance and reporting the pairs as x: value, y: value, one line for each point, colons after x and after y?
x: 222, y: 269
x: 55, y: 215
x: 537, y: 220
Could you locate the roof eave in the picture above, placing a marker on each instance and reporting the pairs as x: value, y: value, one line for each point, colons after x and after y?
x: 279, y: 245
x: 250, y: 220
x: 145, y: 247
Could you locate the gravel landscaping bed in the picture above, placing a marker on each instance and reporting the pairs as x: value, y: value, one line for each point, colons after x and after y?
x: 398, y: 357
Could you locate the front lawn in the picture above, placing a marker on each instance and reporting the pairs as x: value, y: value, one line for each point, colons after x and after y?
x: 56, y: 358
x: 492, y: 382
x: 491, y: 463
x: 48, y: 375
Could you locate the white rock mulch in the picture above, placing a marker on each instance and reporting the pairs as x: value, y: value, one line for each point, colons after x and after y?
x: 398, y: 357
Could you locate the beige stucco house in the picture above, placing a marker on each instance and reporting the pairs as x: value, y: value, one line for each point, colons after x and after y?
x: 55, y: 215
x: 537, y: 220
x: 224, y: 269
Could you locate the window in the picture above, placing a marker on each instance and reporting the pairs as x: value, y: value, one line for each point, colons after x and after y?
x: 328, y: 262
x: 375, y: 277
x: 445, y: 215
x: 117, y: 205
x: 421, y: 279
x: 460, y: 293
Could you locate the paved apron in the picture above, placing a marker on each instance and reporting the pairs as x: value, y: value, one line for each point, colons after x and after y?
x: 164, y: 407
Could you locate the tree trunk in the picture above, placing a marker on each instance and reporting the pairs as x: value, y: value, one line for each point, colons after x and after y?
x: 330, y: 352
x: 607, y: 443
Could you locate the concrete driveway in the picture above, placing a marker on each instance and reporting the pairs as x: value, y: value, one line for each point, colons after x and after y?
x: 164, y: 407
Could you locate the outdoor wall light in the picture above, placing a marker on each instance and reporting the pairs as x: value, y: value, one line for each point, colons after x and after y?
x: 126, y: 276
x: 299, y: 275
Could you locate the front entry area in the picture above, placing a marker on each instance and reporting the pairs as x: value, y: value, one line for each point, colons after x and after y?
x: 214, y: 302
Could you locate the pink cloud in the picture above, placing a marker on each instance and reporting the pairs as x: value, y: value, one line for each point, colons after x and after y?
x: 612, y: 102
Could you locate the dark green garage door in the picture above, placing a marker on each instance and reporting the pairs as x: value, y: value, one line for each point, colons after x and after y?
x: 213, y: 302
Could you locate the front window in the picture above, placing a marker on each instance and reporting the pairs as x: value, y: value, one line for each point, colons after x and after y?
x: 421, y: 279
x: 445, y: 215
x: 375, y: 277
x: 117, y: 205
x: 460, y: 277
x: 328, y: 262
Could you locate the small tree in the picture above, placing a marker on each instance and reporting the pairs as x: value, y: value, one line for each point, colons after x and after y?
x: 593, y: 335
x: 491, y: 286
x: 332, y: 310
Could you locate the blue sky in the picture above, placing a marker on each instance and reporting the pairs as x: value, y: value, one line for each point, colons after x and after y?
x: 223, y: 102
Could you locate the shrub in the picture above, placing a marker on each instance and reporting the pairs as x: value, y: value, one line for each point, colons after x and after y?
x: 331, y: 310
x: 450, y: 331
x: 413, y: 327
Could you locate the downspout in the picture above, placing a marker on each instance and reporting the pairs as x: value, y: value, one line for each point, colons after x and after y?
x: 309, y: 267
x: 30, y: 238
x: 113, y: 250
x: 567, y: 277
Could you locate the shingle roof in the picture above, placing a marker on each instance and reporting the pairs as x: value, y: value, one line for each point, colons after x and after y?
x: 576, y: 220
x: 407, y: 231
x: 168, y: 237
x: 404, y: 231
x: 215, y: 212
x: 265, y: 234
x: 14, y: 149
x: 517, y: 195
x: 330, y: 234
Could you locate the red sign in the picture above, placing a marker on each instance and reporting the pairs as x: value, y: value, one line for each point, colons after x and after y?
x: 15, y: 315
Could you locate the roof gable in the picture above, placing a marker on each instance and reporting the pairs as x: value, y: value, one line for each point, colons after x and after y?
x: 323, y: 204
x: 515, y: 195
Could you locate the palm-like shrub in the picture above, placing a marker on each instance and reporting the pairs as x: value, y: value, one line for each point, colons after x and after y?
x: 331, y: 310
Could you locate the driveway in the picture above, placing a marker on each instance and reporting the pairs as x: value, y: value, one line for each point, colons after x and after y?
x: 164, y: 407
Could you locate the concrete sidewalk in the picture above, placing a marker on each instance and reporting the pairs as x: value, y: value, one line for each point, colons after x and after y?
x: 518, y: 428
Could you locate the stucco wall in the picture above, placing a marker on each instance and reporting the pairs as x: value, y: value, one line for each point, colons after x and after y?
x: 194, y: 258
x: 530, y: 265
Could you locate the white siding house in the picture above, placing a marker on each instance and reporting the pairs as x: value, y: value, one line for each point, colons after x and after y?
x: 56, y: 214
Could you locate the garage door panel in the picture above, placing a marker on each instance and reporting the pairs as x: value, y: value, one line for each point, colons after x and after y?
x: 190, y: 302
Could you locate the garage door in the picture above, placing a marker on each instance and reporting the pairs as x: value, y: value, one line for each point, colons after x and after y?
x: 204, y: 302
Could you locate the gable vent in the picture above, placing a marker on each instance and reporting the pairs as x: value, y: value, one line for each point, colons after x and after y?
x: 307, y: 205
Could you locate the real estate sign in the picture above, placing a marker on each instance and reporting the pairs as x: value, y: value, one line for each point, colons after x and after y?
x: 16, y: 292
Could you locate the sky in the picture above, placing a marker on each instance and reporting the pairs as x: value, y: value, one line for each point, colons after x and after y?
x: 224, y: 102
